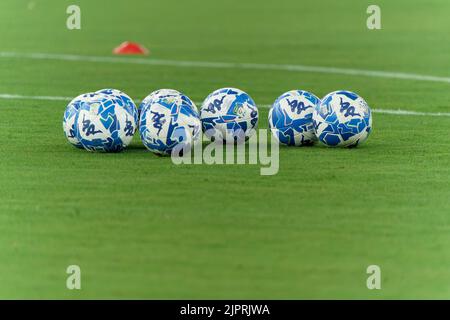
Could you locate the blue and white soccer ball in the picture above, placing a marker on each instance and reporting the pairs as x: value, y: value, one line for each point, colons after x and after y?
x: 104, y: 123
x: 343, y: 119
x: 124, y: 100
x: 69, y: 119
x: 229, y: 114
x: 169, y: 123
x: 166, y: 93
x: 290, y: 118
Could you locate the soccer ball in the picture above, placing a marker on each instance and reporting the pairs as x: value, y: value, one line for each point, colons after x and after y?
x: 104, y: 123
x: 123, y: 100
x: 229, y: 114
x: 69, y: 119
x: 169, y: 123
x: 343, y: 119
x: 166, y: 93
x: 290, y: 118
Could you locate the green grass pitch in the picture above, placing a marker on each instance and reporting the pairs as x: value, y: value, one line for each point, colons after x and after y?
x: 141, y: 227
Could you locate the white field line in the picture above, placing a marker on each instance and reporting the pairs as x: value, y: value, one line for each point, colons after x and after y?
x: 227, y: 65
x: 399, y: 112
x: 20, y: 97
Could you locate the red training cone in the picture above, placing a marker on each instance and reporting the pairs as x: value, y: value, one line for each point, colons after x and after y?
x: 130, y: 48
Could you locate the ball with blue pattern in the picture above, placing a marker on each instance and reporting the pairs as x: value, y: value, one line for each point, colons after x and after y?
x: 69, y: 119
x: 230, y: 115
x: 104, y: 124
x: 343, y: 119
x: 290, y: 118
x: 169, y: 124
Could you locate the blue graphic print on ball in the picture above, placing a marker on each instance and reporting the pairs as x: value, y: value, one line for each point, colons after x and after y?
x: 123, y: 100
x: 343, y: 119
x: 104, y: 123
x: 69, y: 119
x: 290, y: 118
x: 165, y: 93
x: 169, y: 122
x: 229, y: 114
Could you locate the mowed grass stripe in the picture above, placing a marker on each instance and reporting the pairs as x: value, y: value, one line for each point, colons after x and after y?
x: 398, y: 112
